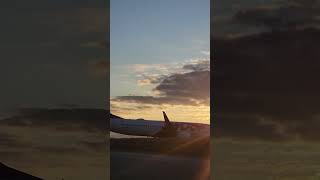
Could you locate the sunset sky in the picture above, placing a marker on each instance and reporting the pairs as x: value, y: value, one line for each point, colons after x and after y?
x: 160, y: 59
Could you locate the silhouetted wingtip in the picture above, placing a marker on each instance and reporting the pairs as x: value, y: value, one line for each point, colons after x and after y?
x: 114, y: 116
x: 11, y: 173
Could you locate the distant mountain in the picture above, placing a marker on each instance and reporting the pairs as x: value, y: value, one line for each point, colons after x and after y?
x: 7, y: 173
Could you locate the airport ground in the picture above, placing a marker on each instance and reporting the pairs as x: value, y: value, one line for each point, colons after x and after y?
x: 159, y: 159
x: 231, y: 160
x: 128, y: 166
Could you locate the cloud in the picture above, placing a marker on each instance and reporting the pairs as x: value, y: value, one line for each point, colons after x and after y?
x: 194, y: 85
x: 266, y: 86
x: 296, y: 15
x: 11, y: 141
x: 247, y: 128
x: 115, y: 106
x: 191, y: 87
x: 95, y: 146
x: 143, y: 68
x: 198, y: 65
x: 253, y: 17
x: 63, y: 120
x: 150, y: 79
x: 207, y: 53
x: 58, y: 150
x: 154, y: 100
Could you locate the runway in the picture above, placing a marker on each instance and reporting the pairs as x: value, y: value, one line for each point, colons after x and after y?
x: 144, y: 166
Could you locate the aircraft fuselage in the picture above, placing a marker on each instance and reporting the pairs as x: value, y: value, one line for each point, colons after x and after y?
x: 155, y: 128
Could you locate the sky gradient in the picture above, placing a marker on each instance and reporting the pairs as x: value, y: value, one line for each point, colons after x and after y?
x: 160, y: 59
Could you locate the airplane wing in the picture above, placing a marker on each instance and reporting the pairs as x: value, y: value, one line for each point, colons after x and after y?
x: 166, y: 119
x: 114, y: 116
x: 13, y: 174
x: 168, y: 129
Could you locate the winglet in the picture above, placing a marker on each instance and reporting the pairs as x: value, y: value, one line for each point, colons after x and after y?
x: 166, y: 119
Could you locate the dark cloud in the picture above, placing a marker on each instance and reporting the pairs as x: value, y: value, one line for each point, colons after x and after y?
x: 293, y: 15
x: 58, y: 150
x: 194, y: 85
x: 154, y: 100
x: 247, y: 128
x: 203, y: 65
x: 116, y: 107
x: 11, y: 141
x: 66, y: 120
x: 95, y: 146
x: 272, y: 78
x: 191, y: 88
x: 233, y: 18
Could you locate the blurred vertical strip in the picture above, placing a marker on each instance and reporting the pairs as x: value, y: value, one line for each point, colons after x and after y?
x: 54, y: 92
x: 109, y: 85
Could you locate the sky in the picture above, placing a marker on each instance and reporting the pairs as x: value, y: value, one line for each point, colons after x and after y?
x: 160, y: 59
x: 54, y: 70
x: 54, y: 88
